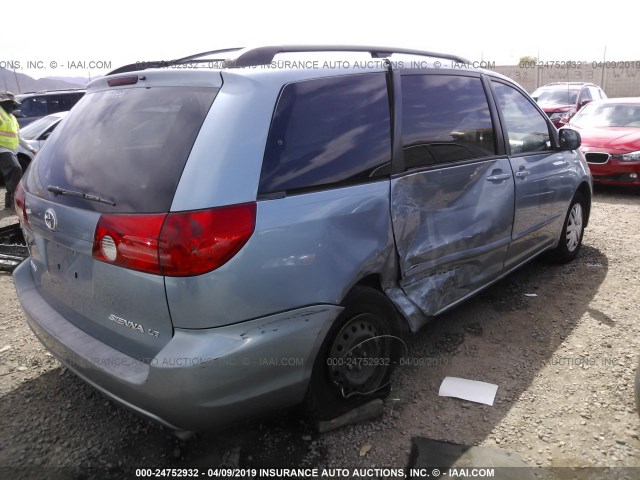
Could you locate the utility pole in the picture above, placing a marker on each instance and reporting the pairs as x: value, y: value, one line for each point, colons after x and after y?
x: 17, y: 82
x: 604, y: 59
x: 537, y: 68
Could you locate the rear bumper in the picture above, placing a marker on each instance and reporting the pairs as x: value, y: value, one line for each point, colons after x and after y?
x: 202, y: 378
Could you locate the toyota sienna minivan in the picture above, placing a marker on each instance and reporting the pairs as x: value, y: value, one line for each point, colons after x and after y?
x: 256, y: 231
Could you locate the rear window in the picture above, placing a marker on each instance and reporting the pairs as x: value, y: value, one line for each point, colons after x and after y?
x: 128, y: 146
x: 328, y: 132
x: 62, y: 103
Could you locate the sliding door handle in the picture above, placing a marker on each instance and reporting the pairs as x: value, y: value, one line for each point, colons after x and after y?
x: 499, y: 177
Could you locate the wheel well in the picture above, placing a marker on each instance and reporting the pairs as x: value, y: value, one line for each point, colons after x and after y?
x: 586, y: 193
x: 374, y: 281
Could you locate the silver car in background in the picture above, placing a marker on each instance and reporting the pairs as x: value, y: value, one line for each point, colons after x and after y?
x: 213, y: 244
x: 35, y: 134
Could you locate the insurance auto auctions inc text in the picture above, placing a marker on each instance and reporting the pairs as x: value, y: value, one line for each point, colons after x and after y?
x: 364, y: 473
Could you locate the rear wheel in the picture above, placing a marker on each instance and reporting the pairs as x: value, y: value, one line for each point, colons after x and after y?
x: 355, y: 362
x: 572, y: 231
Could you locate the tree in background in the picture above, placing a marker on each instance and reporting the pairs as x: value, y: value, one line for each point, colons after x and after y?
x: 528, y: 59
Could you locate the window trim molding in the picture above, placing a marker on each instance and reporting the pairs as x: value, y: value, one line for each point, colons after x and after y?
x: 440, y: 166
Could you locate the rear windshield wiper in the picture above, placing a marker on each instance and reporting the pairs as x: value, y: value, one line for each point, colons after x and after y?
x: 72, y: 193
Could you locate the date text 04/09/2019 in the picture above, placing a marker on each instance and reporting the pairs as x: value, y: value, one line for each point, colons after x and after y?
x: 272, y: 472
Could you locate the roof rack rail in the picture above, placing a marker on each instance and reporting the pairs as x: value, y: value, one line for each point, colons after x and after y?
x: 211, y: 52
x: 568, y: 83
x: 252, y: 57
x: 134, y: 67
x: 37, y: 92
x: 256, y: 56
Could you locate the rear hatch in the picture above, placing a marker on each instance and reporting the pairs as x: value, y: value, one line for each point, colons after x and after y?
x: 111, y: 169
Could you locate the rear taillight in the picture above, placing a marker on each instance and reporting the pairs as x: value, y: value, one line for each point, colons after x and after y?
x: 19, y: 200
x: 175, y: 244
x: 193, y: 243
x: 130, y: 241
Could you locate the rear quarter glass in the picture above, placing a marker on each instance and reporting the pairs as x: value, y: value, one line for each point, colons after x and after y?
x: 326, y: 132
x: 125, y: 145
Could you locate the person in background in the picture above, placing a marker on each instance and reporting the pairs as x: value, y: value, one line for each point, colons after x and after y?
x: 9, y: 141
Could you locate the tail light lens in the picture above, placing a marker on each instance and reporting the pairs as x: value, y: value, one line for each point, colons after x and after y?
x: 193, y: 243
x: 19, y: 200
x: 130, y: 241
x: 175, y: 244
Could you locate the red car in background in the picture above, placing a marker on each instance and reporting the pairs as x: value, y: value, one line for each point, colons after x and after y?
x: 562, y: 100
x: 610, y: 131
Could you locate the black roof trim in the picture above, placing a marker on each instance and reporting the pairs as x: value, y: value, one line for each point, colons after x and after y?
x: 256, y: 56
x: 251, y: 57
x: 55, y: 90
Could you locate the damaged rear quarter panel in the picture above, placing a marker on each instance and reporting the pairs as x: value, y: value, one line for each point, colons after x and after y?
x: 307, y: 249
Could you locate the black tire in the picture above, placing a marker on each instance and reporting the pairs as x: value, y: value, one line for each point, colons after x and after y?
x: 568, y: 246
x: 346, y: 373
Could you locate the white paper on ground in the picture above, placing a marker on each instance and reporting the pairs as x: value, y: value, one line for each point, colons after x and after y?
x: 472, y: 390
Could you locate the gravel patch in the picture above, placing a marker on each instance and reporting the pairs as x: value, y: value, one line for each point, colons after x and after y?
x: 564, y: 362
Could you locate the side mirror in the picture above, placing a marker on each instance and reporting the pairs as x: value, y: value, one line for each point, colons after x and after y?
x: 569, y: 139
x: 18, y: 114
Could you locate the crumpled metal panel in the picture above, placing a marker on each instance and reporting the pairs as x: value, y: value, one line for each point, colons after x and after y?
x: 452, y: 227
x: 410, y: 311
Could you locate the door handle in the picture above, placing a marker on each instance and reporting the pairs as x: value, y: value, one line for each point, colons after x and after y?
x: 522, y: 173
x: 499, y: 177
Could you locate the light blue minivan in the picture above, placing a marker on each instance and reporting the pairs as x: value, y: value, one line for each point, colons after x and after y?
x: 239, y: 231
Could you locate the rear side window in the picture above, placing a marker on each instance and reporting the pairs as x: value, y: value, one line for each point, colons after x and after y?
x: 445, y: 118
x: 596, y: 93
x: 34, y: 107
x: 63, y: 103
x: 584, y: 95
x: 128, y: 146
x: 327, y: 132
x: 526, y: 127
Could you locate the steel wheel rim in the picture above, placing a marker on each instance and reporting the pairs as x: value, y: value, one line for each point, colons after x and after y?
x: 574, y: 228
x: 353, y: 354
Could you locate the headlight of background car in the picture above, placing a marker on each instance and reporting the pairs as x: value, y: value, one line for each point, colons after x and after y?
x: 560, y: 115
x: 628, y: 157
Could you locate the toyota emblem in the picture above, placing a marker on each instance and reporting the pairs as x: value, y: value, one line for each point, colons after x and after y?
x: 50, y: 219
